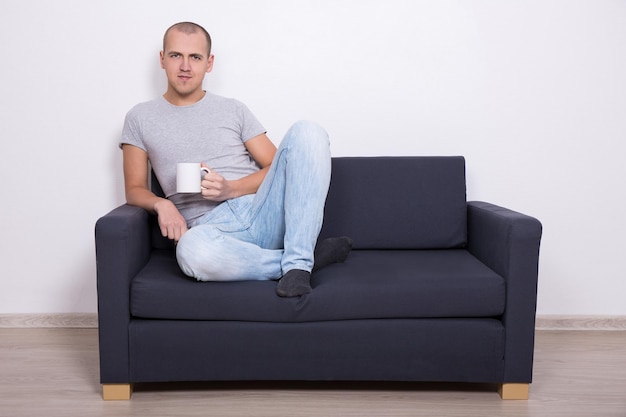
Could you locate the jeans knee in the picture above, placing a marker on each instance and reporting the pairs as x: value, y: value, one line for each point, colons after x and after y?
x: 309, y: 132
x: 194, y: 254
x: 308, y: 139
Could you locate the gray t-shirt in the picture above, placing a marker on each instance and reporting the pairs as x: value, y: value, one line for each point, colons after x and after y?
x: 212, y: 131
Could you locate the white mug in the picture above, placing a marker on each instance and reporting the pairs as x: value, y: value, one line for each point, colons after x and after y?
x: 189, y: 176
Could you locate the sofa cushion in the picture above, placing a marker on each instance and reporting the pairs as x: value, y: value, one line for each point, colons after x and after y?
x: 398, y: 202
x: 371, y: 284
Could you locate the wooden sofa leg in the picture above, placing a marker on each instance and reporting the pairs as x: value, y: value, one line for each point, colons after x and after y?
x: 111, y: 392
x: 514, y: 391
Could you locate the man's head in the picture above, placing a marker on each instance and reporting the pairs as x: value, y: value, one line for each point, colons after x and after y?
x: 189, y: 28
x: 186, y: 58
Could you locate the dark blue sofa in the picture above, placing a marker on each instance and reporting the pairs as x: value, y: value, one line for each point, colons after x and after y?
x: 435, y: 289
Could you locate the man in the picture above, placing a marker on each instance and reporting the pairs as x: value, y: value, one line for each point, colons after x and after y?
x: 260, y: 210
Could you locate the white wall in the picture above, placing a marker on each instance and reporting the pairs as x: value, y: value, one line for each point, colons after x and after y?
x: 532, y: 93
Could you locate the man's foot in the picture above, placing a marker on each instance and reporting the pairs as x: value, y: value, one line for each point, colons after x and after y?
x: 294, y: 283
x: 331, y: 250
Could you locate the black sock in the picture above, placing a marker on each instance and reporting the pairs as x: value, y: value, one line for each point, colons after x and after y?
x: 294, y: 283
x: 331, y: 250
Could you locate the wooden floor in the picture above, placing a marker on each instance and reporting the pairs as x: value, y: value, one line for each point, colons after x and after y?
x: 54, y: 372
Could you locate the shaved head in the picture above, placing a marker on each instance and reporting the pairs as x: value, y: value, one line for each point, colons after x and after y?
x: 188, y: 28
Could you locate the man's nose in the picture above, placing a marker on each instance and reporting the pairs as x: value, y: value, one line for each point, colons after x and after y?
x: 184, y: 64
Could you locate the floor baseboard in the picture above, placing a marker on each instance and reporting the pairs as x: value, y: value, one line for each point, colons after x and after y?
x: 558, y: 322
x: 90, y: 320
x: 68, y: 320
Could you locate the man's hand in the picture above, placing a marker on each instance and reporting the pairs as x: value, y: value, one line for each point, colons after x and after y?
x: 217, y: 188
x: 171, y: 222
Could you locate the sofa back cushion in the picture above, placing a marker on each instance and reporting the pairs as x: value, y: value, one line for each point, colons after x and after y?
x: 398, y: 202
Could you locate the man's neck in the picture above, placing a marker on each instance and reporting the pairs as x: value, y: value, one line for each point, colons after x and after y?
x: 178, y: 100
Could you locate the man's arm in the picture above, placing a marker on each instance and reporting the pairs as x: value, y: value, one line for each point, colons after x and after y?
x: 171, y: 222
x: 217, y: 188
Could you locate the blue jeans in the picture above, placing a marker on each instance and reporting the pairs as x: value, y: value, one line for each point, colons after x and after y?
x: 264, y: 235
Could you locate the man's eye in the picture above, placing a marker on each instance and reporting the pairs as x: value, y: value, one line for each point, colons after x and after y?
x: 174, y: 55
x: 196, y: 57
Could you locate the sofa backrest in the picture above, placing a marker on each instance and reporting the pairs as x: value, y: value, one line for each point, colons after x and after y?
x: 398, y: 202
x: 389, y: 203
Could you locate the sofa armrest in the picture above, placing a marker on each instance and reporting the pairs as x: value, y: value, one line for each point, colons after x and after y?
x: 508, y: 242
x: 123, y: 246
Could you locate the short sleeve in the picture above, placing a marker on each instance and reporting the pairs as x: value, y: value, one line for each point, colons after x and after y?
x: 131, y: 132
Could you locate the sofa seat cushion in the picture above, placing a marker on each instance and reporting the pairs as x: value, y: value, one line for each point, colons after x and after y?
x: 371, y: 284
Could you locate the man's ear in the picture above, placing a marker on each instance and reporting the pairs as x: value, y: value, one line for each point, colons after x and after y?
x: 209, y: 65
x: 161, y: 56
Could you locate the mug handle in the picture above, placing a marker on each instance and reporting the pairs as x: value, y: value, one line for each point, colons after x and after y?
x: 206, y: 171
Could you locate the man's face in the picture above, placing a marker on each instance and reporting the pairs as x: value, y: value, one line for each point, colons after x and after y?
x: 185, y: 61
